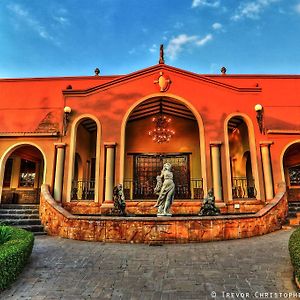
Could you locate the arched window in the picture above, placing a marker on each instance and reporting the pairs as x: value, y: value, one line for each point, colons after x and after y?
x: 243, y: 185
x: 23, y: 175
x: 84, y: 162
x: 291, y: 167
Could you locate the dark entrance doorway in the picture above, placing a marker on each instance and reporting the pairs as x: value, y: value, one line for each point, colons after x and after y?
x: 23, y: 176
x: 148, y: 166
x: 291, y: 166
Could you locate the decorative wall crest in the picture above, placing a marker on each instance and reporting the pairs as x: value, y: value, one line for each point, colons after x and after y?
x: 163, y: 82
x: 48, y: 124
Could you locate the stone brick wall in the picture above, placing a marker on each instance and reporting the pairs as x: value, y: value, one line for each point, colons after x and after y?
x: 58, y: 221
x: 179, y: 207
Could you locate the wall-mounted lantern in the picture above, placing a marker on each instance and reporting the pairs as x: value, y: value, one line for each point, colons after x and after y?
x: 67, y: 112
x: 260, y: 117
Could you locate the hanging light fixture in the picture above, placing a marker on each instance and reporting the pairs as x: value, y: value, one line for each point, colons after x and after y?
x: 161, y: 133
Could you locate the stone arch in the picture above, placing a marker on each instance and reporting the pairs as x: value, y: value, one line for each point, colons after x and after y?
x: 200, y: 127
x: 290, y: 162
x: 253, y: 153
x: 283, y: 152
x: 9, y: 151
x: 74, y: 126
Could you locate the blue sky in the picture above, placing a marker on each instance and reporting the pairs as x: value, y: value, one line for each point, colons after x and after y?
x: 40, y: 38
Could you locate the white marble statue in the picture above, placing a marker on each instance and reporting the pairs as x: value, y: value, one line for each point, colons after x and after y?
x: 165, y: 189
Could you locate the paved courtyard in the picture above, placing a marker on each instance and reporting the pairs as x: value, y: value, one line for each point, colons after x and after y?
x: 68, y: 269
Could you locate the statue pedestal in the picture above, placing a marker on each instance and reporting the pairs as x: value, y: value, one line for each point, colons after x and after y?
x: 164, y: 215
x: 107, y: 207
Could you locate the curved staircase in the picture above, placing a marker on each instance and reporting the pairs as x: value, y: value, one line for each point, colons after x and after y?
x: 24, y: 216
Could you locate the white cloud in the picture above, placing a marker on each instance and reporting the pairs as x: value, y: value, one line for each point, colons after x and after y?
x: 209, y: 3
x: 297, y: 8
x: 61, y: 20
x: 252, y: 9
x: 204, y: 40
x: 177, y: 44
x: 217, y: 26
x: 153, y: 48
x: 31, y: 22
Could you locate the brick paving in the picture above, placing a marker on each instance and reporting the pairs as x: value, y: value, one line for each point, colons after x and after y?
x: 69, y: 269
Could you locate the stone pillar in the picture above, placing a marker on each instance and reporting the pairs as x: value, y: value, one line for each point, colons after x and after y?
x: 59, y: 171
x: 216, y: 169
x: 267, y: 169
x: 15, y: 173
x: 109, y: 176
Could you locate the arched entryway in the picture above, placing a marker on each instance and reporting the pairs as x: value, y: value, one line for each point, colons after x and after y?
x: 83, y: 181
x: 241, y: 166
x: 159, y: 130
x: 23, y: 174
x: 291, y: 167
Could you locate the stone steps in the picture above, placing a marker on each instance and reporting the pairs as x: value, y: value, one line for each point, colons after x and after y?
x: 24, y: 216
x: 19, y: 206
x: 17, y: 216
x: 19, y: 211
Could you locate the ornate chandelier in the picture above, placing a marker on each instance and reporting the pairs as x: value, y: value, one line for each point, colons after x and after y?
x: 161, y: 133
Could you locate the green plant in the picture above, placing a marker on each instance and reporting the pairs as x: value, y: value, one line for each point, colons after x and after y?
x: 15, y: 250
x: 4, y: 235
x: 294, y: 248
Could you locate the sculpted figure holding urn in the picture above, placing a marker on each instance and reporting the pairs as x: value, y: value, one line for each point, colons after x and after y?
x: 166, y: 190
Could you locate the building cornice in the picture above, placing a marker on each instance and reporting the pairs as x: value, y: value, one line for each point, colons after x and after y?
x: 28, y: 134
x: 155, y: 69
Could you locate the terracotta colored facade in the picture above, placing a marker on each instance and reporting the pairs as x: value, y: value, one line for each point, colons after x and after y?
x: 106, y: 139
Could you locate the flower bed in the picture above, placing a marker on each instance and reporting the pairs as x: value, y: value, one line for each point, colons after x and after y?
x: 15, y: 249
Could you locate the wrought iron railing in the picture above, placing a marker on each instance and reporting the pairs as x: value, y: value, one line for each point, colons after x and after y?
x: 243, y: 187
x: 83, y: 190
x: 197, y: 189
x: 128, y: 189
x: 134, y: 190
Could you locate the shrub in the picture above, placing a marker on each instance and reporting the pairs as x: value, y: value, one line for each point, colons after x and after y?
x: 294, y: 248
x: 4, y: 235
x: 15, y: 249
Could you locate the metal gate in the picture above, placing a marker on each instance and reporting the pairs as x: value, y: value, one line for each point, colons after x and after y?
x: 148, y: 166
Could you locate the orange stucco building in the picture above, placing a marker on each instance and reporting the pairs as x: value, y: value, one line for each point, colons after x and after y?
x: 237, y: 134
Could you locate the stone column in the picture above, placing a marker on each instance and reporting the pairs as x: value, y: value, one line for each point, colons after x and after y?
x: 216, y: 169
x: 59, y: 171
x: 267, y: 169
x: 15, y: 172
x: 109, y: 175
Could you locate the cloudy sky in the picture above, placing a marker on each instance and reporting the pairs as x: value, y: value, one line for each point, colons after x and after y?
x: 71, y: 37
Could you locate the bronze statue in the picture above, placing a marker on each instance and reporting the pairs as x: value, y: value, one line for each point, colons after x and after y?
x: 209, y: 208
x: 161, y: 54
x: 119, y: 200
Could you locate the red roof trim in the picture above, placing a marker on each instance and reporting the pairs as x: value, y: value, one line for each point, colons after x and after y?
x: 157, y: 68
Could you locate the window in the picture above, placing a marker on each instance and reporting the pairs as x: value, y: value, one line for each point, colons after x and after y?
x: 147, y: 167
x: 27, y: 173
x: 294, y: 174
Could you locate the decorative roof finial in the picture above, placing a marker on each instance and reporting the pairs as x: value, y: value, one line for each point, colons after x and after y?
x: 161, y: 54
x: 97, y: 72
x: 223, y: 70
